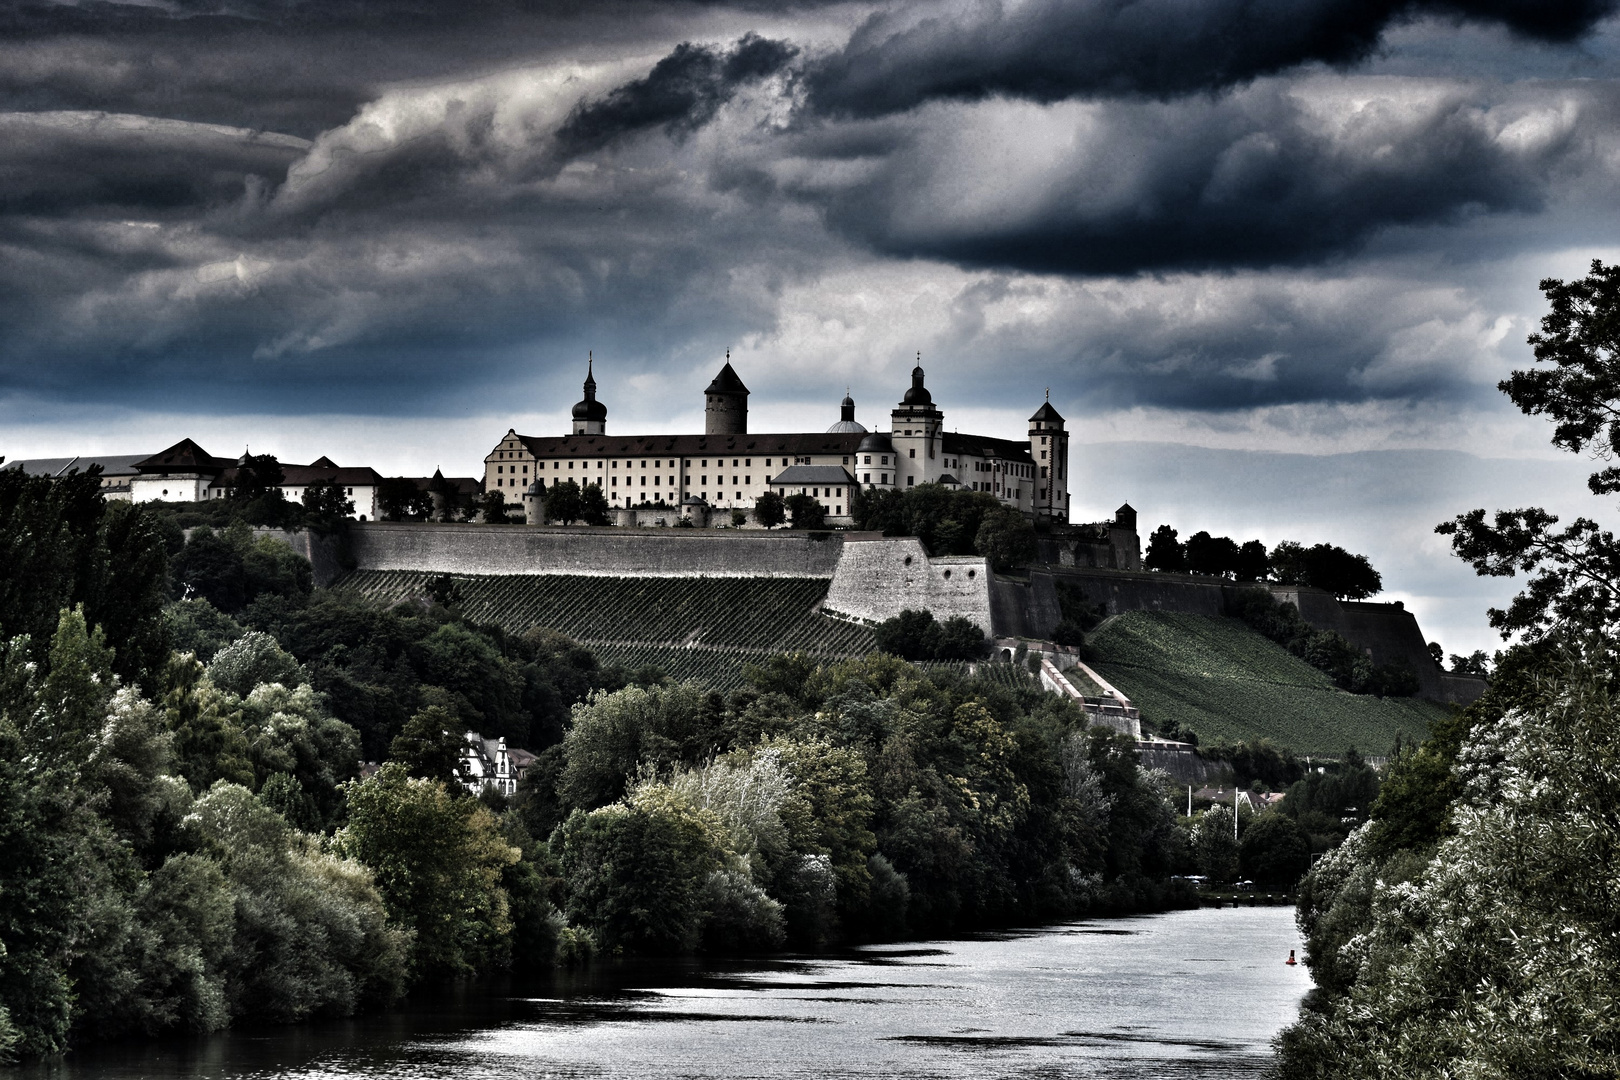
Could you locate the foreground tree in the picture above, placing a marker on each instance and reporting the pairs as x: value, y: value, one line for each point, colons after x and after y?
x: 564, y: 503
x: 438, y: 862
x: 806, y: 511
x: 1469, y: 929
x: 1165, y: 552
x: 1325, y: 566
x: 593, y: 505
x: 770, y: 509
x: 1574, y: 572
x: 1500, y: 957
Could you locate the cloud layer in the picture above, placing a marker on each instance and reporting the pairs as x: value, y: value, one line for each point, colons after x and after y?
x: 1202, y: 205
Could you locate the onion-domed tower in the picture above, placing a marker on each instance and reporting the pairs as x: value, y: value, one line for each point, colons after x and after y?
x: 917, y: 428
x: 590, y: 415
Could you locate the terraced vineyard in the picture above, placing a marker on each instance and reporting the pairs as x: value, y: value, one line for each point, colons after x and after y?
x: 1224, y: 681
x: 704, y: 628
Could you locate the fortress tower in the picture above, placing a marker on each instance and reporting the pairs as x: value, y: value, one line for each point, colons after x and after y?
x: 1049, y: 446
x: 590, y: 415
x: 916, y: 428
x: 725, y: 403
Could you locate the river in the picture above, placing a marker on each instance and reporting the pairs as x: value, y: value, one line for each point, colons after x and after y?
x: 1185, y: 994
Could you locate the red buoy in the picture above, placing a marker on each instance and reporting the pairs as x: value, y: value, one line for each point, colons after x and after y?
x: 1291, y: 960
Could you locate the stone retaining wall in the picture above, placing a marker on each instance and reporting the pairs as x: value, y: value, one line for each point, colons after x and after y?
x: 602, y: 552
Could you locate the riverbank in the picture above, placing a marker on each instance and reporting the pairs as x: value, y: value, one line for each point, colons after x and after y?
x: 1170, y: 995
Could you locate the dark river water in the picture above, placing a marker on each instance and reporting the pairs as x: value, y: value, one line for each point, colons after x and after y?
x: 1186, y: 994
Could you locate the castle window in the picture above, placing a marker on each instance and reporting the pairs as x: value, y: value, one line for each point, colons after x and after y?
x: 643, y: 463
x: 615, y: 482
x: 912, y: 452
x: 1043, y: 472
x: 734, y: 480
x: 846, y: 460
x: 1043, y: 493
x: 885, y: 459
x: 705, y: 463
x: 840, y: 493
x: 500, y: 468
x: 525, y: 470
x: 705, y: 478
x: 1043, y: 443
x: 911, y: 481
x: 748, y: 479
x: 869, y: 459
x: 749, y: 462
x: 734, y: 465
x: 839, y: 509
x: 908, y: 431
x: 883, y: 478
x: 866, y: 479
x: 643, y: 481
x: 570, y: 464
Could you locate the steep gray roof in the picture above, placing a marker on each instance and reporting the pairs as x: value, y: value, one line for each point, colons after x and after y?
x: 727, y: 382
x: 810, y: 475
x: 984, y: 446
x: 592, y: 446
x: 111, y: 465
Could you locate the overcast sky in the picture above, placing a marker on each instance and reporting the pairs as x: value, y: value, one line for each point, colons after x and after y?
x: 1270, y: 256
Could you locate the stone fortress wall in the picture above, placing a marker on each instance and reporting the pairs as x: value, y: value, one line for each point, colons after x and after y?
x: 598, y: 552
x: 878, y: 577
x: 871, y: 578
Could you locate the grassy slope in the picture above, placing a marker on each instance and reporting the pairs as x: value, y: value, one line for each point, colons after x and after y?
x: 1224, y: 681
x: 703, y: 628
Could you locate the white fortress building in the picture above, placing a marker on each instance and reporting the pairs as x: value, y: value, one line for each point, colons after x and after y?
x: 727, y: 467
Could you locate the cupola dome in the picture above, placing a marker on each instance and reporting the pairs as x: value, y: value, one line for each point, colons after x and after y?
x: 876, y: 442
x: 846, y: 419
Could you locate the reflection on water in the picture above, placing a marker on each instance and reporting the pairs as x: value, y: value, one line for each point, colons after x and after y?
x: 1187, y: 994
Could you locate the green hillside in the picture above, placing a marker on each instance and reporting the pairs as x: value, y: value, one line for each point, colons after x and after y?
x: 1224, y: 681
x: 702, y: 628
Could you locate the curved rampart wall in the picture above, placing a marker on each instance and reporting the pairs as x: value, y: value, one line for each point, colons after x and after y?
x: 880, y: 577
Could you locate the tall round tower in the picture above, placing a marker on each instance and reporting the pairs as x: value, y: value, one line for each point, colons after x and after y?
x: 1049, y: 446
x: 590, y: 415
x: 725, y: 403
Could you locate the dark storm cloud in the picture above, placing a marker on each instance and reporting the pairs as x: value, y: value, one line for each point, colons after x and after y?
x: 682, y: 92
x: 58, y: 163
x: 385, y: 207
x: 297, y: 67
x: 1052, y: 50
x: 1262, y: 177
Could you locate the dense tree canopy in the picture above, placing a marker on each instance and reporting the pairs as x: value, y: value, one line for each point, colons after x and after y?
x: 948, y: 522
x: 61, y: 545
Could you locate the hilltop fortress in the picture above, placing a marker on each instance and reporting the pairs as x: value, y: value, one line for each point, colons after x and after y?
x: 703, y: 602
x: 729, y: 468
